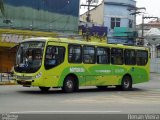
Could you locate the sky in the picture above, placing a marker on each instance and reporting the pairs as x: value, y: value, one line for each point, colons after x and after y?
x: 152, y: 9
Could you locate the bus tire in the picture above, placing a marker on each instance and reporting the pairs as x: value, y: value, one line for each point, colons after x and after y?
x: 126, y: 83
x: 69, y: 84
x: 44, y: 89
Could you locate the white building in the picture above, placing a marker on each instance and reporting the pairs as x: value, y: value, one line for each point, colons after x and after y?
x: 152, y: 39
x: 115, y: 13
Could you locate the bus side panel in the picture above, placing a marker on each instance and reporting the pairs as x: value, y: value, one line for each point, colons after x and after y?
x: 101, y: 75
x: 52, y: 77
x: 139, y: 74
x: 72, y: 69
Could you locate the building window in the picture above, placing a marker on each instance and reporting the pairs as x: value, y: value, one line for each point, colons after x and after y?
x: 89, y: 55
x: 103, y: 55
x: 130, y: 57
x: 130, y: 23
x: 117, y: 56
x: 75, y: 54
x: 115, y: 22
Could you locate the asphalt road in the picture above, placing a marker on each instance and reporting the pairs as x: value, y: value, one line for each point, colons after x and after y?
x: 144, y: 98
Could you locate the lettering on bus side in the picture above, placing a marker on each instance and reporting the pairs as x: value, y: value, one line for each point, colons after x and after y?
x: 103, y: 71
x: 119, y: 70
x: 77, y: 69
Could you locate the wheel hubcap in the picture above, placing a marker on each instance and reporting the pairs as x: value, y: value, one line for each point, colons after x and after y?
x: 69, y: 84
x: 126, y: 83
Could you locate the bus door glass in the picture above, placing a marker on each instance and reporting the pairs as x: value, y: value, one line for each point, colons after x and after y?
x: 54, y: 57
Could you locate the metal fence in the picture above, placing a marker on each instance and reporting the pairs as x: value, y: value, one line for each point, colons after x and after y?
x: 4, y: 77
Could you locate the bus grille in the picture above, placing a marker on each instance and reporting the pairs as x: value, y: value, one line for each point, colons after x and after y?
x: 24, y: 77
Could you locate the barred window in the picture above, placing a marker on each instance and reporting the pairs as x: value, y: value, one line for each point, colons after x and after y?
x: 115, y: 22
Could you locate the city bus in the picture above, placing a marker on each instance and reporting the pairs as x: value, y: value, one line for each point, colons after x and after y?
x: 68, y: 64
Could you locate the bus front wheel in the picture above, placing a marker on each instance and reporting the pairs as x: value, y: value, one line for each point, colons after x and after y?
x: 44, y: 89
x: 126, y: 83
x: 69, y: 84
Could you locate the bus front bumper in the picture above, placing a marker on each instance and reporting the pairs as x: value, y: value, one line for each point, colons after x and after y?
x: 25, y: 82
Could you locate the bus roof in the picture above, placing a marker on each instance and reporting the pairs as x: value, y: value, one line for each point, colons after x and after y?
x: 82, y: 42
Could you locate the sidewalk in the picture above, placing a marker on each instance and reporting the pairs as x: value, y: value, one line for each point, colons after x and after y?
x: 6, y: 79
x: 11, y: 82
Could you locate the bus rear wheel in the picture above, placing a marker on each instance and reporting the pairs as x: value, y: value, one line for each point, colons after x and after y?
x: 44, y: 89
x: 69, y: 85
x: 126, y: 83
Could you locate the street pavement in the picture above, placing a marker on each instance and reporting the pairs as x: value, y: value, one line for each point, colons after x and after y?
x: 143, y: 98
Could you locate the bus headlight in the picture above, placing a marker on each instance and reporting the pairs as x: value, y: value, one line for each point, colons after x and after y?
x: 38, y: 75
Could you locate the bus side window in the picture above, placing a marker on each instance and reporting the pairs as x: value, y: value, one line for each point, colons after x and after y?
x: 130, y: 57
x: 103, y: 55
x: 117, y: 56
x: 74, y: 54
x: 142, y: 57
x: 89, y: 55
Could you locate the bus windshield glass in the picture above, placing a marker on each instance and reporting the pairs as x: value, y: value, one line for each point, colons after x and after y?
x: 29, y: 56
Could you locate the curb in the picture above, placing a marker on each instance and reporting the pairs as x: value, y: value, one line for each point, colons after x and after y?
x: 8, y: 83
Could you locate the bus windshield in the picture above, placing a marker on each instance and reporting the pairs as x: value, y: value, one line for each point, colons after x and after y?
x: 29, y: 56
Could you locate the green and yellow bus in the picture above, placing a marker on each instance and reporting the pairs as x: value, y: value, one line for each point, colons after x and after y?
x: 68, y: 64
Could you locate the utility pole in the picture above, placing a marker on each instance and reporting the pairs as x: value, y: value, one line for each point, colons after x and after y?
x: 142, y: 27
x: 136, y: 11
x: 88, y: 17
x: 89, y: 5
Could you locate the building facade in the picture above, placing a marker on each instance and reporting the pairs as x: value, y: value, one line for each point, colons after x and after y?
x: 41, y: 15
x: 117, y: 13
x: 118, y: 17
x: 97, y: 15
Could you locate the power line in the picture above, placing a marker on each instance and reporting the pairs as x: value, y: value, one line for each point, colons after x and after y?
x: 89, y: 5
